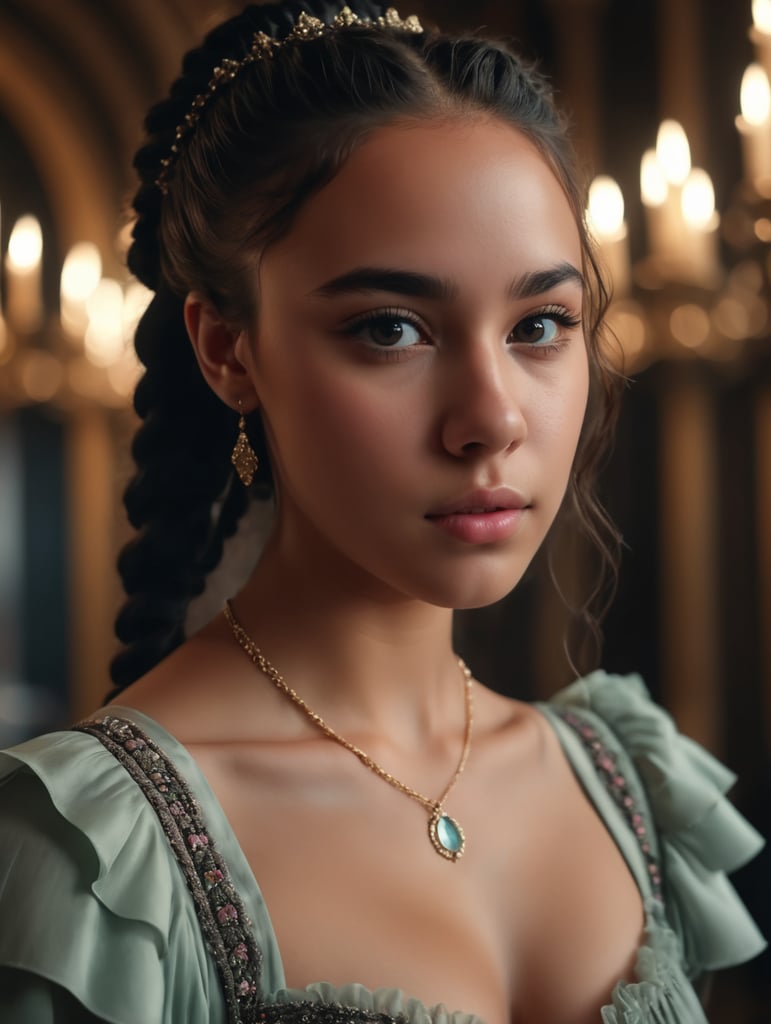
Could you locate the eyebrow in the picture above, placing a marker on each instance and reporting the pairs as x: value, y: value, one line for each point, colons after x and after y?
x: 537, y: 282
x: 384, y: 279
x: 426, y: 286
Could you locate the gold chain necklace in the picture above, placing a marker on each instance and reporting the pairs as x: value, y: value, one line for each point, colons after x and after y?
x: 446, y: 835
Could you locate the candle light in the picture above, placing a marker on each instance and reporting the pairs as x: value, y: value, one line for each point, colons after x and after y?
x: 606, y: 220
x: 23, y: 263
x: 674, y: 156
x: 754, y: 125
x: 663, y: 173
x: 701, y: 224
x: 673, y: 152
x: 653, y: 190
x: 81, y: 273
x: 5, y: 349
x: 136, y: 299
x: 103, y: 339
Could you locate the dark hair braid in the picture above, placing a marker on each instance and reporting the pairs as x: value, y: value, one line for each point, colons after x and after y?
x: 181, y: 450
x: 181, y: 454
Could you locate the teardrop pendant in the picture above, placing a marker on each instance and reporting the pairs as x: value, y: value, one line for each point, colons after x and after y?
x: 446, y: 835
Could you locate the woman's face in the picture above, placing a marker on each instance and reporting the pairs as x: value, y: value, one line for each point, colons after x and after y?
x: 420, y: 363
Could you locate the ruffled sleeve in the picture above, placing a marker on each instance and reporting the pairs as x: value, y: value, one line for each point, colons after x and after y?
x: 91, y: 899
x: 701, y: 835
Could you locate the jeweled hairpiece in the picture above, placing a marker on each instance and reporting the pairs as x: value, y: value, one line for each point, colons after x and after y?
x: 263, y: 48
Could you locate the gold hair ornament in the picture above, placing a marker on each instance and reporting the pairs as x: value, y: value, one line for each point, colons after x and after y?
x: 263, y: 47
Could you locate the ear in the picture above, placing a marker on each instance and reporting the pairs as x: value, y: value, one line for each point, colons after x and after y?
x: 222, y: 353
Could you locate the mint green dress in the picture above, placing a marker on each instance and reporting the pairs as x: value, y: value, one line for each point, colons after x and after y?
x: 97, y: 921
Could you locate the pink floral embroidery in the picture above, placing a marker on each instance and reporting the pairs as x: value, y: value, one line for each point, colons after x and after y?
x: 618, y: 787
x: 240, y: 961
x: 227, y: 913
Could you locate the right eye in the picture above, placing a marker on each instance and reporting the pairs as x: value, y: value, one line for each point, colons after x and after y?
x: 387, y: 330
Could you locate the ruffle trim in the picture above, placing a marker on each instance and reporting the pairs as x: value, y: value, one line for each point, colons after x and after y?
x: 702, y: 835
x: 661, y: 994
x: 102, y: 783
x: 384, y: 1004
x: 135, y: 909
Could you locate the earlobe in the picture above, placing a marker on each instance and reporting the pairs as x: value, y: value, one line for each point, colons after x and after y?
x: 219, y: 349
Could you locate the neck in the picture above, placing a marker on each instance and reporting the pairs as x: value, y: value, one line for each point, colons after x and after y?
x: 374, y: 662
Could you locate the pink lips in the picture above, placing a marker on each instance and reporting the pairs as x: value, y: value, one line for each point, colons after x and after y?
x: 481, y: 517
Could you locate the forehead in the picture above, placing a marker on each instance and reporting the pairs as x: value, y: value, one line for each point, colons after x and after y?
x: 466, y: 198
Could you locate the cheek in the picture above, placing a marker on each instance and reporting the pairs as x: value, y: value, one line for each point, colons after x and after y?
x: 563, y: 410
x: 333, y: 427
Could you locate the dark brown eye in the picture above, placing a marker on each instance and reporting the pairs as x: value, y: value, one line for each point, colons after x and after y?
x: 387, y: 330
x: 536, y: 329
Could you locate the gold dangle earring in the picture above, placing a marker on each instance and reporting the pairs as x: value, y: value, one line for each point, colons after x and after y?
x: 244, y: 457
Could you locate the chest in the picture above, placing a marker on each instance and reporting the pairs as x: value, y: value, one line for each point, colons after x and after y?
x: 537, y: 921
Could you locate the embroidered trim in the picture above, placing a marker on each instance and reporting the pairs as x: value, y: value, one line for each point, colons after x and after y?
x: 224, y: 924
x: 307, y: 1012
x: 618, y: 787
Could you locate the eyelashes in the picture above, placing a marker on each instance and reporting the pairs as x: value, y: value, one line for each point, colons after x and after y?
x: 392, y: 332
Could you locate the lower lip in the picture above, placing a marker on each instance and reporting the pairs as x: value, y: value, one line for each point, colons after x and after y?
x: 480, y: 527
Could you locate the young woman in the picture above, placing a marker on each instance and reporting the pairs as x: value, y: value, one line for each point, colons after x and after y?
x: 374, y: 286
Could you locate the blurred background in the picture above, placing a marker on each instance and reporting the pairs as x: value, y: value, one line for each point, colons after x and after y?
x: 670, y: 106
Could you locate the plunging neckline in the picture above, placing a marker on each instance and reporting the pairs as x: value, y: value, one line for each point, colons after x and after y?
x: 382, y: 1000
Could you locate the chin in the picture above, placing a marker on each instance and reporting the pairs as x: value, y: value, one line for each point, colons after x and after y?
x: 481, y: 592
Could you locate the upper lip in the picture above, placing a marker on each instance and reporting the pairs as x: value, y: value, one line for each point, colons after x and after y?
x: 480, y: 501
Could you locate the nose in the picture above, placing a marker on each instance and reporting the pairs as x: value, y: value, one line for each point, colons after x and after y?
x: 483, y: 411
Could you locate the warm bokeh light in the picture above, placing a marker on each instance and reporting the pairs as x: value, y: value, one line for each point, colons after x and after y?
x: 81, y: 272
x: 606, y: 207
x: 103, y: 340
x: 689, y: 325
x: 755, y: 95
x: 628, y: 327
x: 136, y: 299
x: 761, y: 15
x: 653, y: 185
x: 698, y: 199
x: 673, y: 152
x: 124, y: 375
x: 731, y: 317
x: 41, y: 375
x: 25, y: 246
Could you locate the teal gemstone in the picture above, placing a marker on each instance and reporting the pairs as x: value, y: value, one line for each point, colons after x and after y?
x: 448, y: 834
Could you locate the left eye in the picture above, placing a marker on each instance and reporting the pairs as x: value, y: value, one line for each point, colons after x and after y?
x: 389, y: 331
x: 534, y: 330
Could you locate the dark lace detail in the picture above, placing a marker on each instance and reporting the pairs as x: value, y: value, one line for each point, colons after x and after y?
x: 224, y: 924
x: 307, y: 1012
x: 618, y: 787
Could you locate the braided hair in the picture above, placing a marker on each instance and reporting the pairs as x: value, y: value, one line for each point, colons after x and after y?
x: 262, y: 146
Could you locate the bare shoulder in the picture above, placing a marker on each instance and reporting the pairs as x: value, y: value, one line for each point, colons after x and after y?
x: 515, y: 730
x: 199, y: 691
